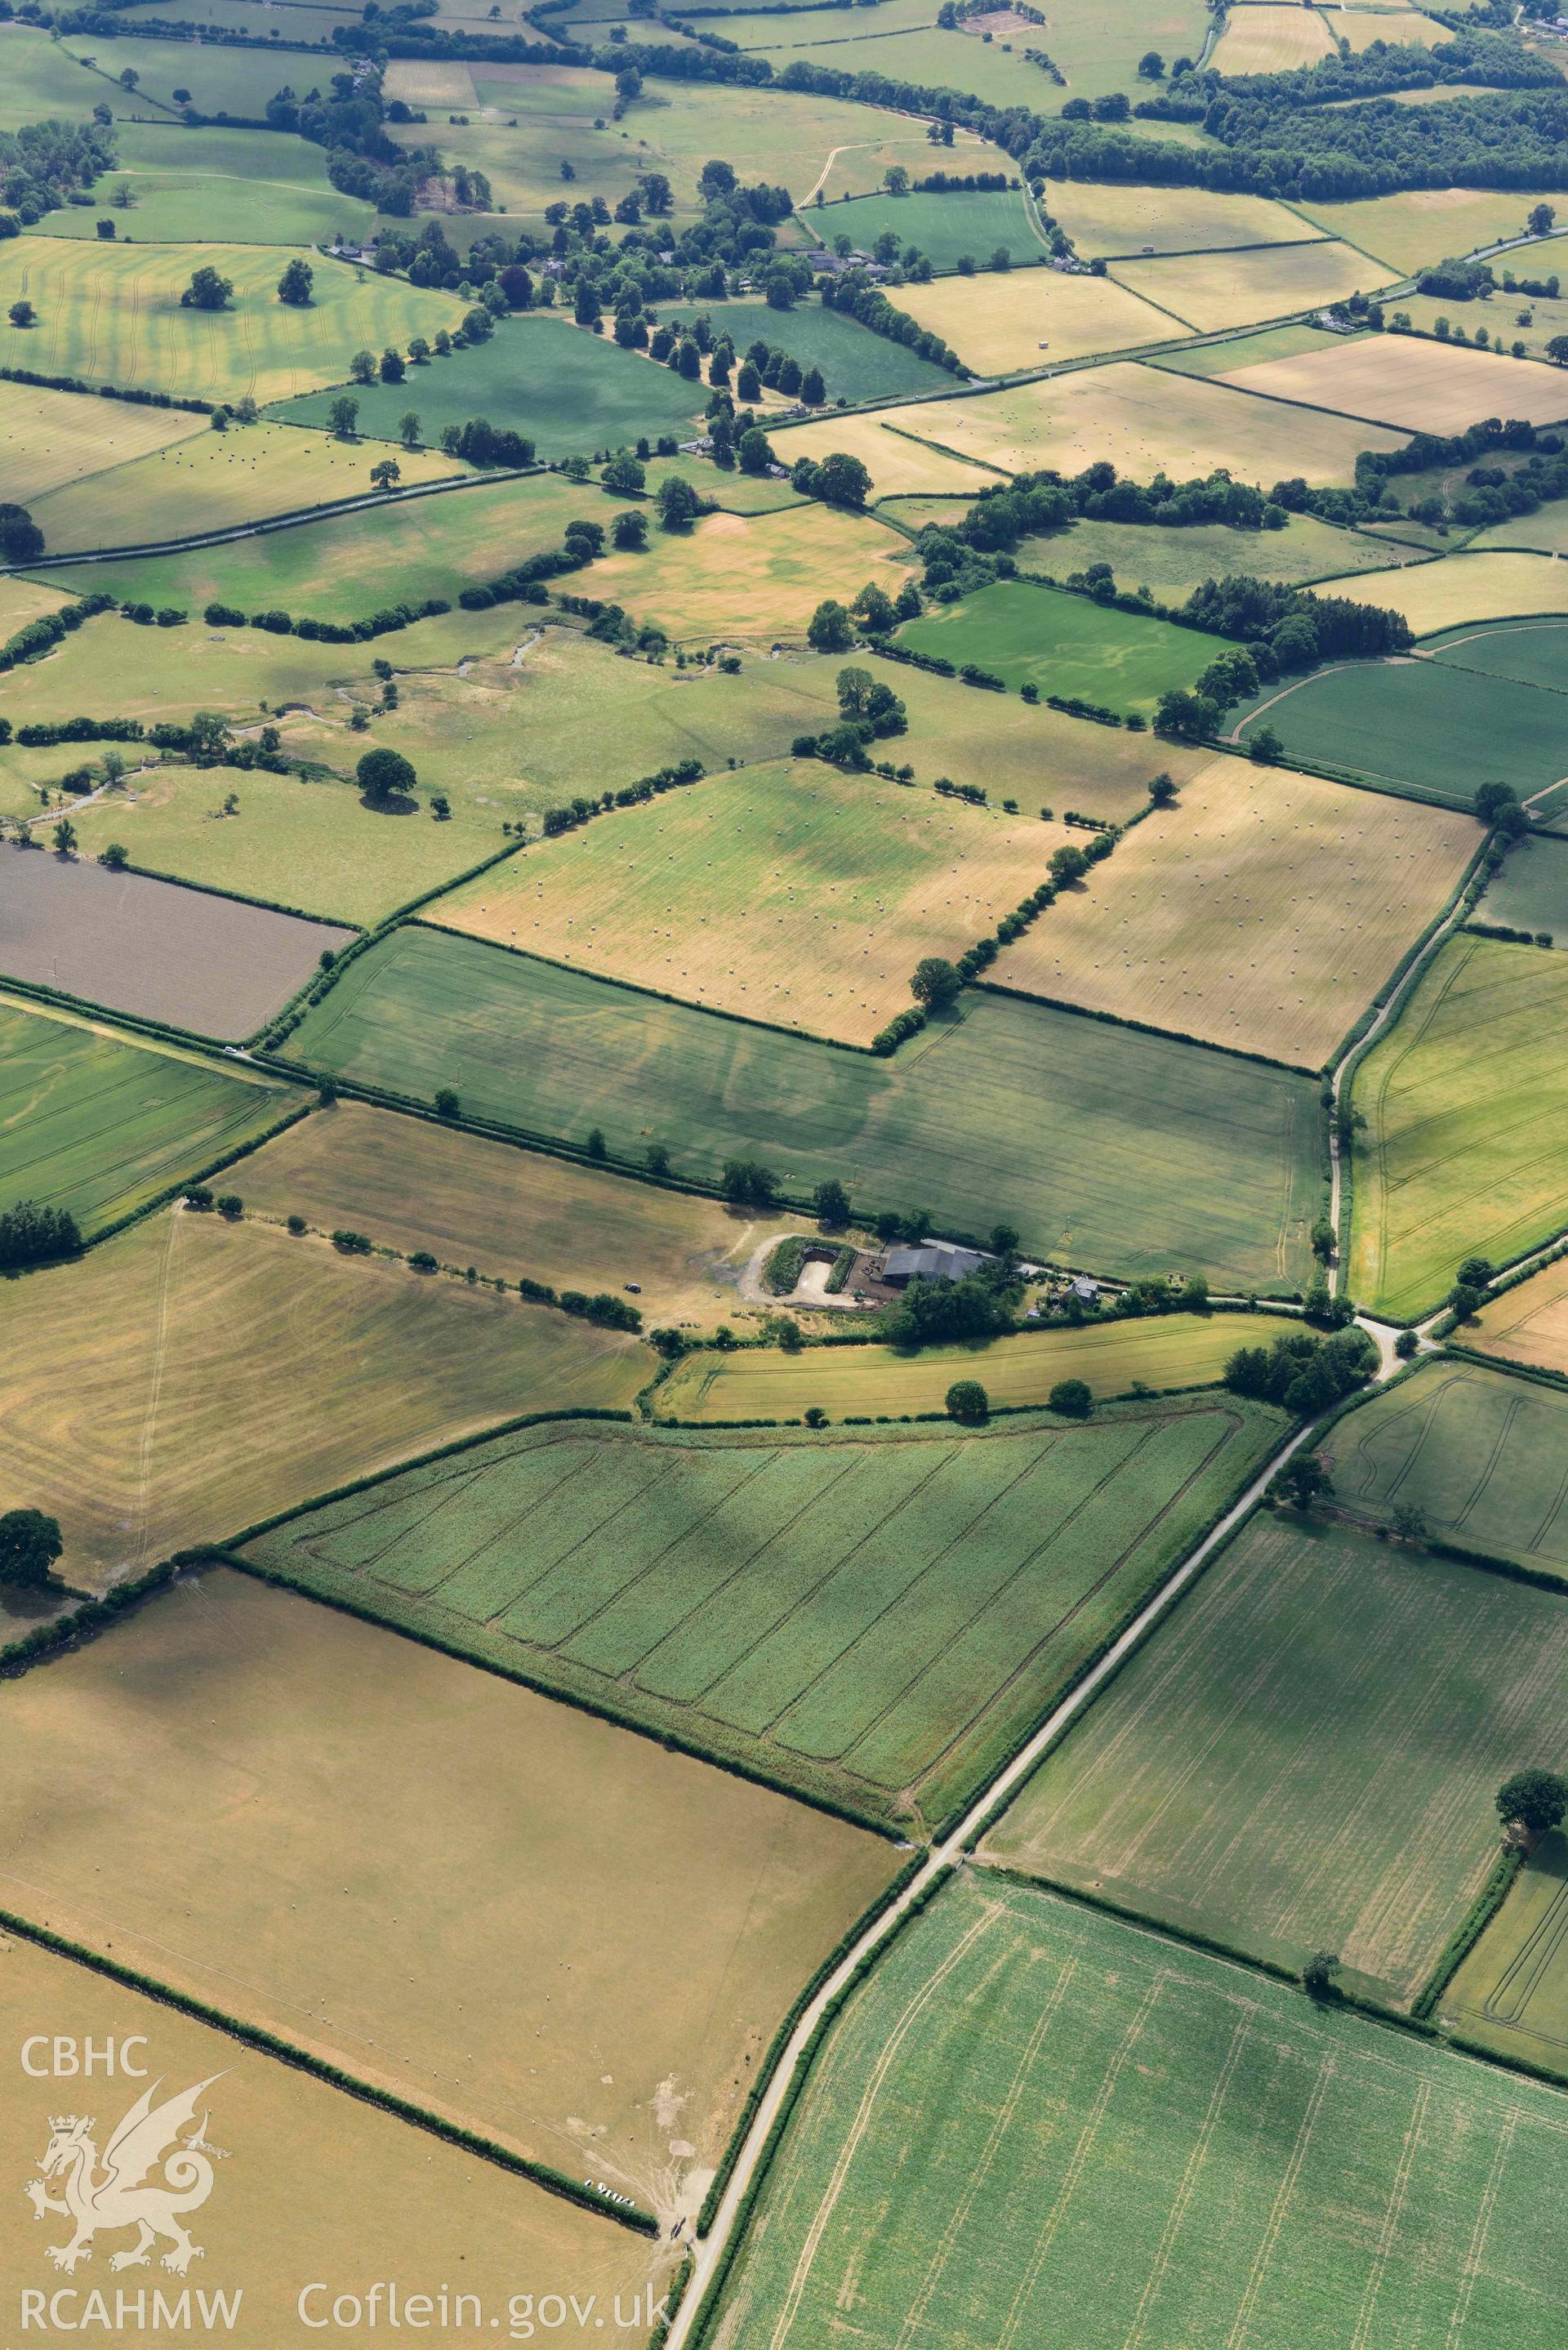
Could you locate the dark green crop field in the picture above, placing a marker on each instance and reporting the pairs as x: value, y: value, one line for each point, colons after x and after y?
x: 856, y: 364
x: 876, y: 1619
x: 1305, y: 1755
x: 1530, y: 893
x: 1104, y: 1146
x: 570, y: 390
x: 1035, y: 2129
x: 1426, y: 729
x: 1065, y: 645
x: 1527, y: 652
x: 98, y: 1126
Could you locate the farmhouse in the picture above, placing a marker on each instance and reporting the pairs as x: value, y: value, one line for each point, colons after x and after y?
x: 933, y: 1261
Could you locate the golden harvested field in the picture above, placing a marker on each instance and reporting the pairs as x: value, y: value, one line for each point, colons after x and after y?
x: 190, y: 1377
x: 24, y: 599
x: 1361, y: 26
x: 1108, y: 219
x: 1179, y: 1350
x: 1527, y: 1325
x: 112, y: 312
x: 1232, y: 289
x: 539, y: 1925
x: 752, y: 577
x: 1263, y: 910
x: 414, y: 1185
x: 1426, y: 225
x: 893, y: 444
x: 1500, y: 319
x: 318, y: 2184
x: 1495, y: 586
x: 1004, y: 320
x: 1144, y: 420
x: 1425, y: 387
x: 788, y: 893
x: 1263, y: 38
x: 222, y: 478
x: 50, y: 437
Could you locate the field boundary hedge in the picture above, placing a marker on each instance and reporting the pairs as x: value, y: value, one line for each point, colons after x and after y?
x: 701, y: 2332
x: 135, y: 1024
x: 160, y: 1200
x: 1469, y: 1930
x: 327, y: 1591
x: 653, y: 994
x: 269, y: 2043
x: 1146, y: 1028
x: 291, y: 518
x: 1453, y: 905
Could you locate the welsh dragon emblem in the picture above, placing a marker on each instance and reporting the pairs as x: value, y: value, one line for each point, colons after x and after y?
x: 120, y: 2190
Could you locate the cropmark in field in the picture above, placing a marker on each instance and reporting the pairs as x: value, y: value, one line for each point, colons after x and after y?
x: 1033, y: 2126
x: 410, y: 1184
x: 1144, y: 420
x: 1263, y: 910
x: 190, y: 1377
x: 1210, y: 290
x: 1405, y: 381
x: 92, y: 1122
x: 1102, y: 1146
x: 787, y: 893
x: 1479, y: 1455
x: 1466, y: 1103
x: 874, y: 1619
x: 1365, y: 1700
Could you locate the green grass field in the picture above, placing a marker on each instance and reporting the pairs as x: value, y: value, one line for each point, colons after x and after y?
x: 569, y: 390
x: 204, y: 187
x: 221, y: 80
x: 344, y: 566
x: 931, y: 56
x: 112, y: 314
x: 42, y: 79
x: 856, y: 364
x: 1478, y: 1453
x: 1035, y: 2127
x: 92, y: 1123
x: 1426, y: 729
x: 943, y: 227
x: 312, y: 844
x: 1530, y: 893
x: 544, y: 116
x: 1104, y: 1147
x: 876, y: 1619
x: 1361, y: 1700
x: 1065, y: 645
x: 1466, y: 1102
x: 213, y: 481
x: 1173, y: 562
